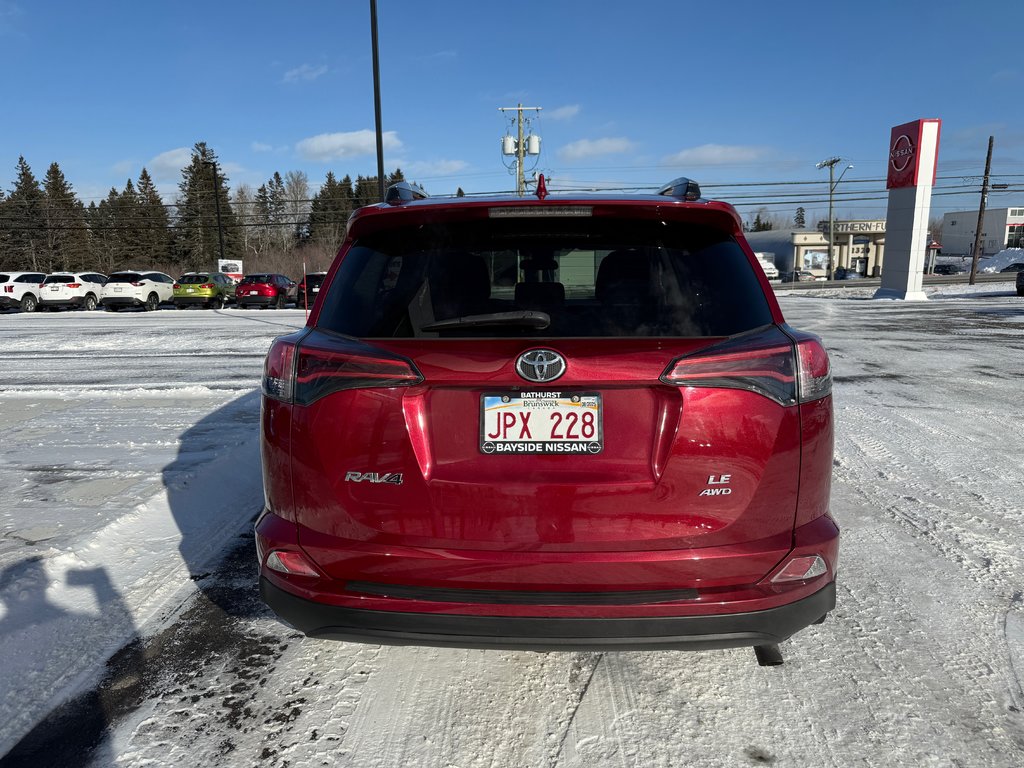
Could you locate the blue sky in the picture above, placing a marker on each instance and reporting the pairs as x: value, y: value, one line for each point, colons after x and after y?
x: 633, y: 94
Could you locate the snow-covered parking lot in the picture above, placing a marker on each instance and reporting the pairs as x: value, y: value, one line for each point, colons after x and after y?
x: 129, y: 477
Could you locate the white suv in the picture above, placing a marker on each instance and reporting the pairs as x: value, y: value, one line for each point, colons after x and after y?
x: 20, y: 290
x: 137, y: 289
x: 71, y: 289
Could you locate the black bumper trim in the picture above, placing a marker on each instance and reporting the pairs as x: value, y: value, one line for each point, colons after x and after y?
x: 516, y: 597
x: 730, y: 630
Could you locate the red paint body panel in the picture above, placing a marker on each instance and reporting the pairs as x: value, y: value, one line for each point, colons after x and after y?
x: 703, y: 486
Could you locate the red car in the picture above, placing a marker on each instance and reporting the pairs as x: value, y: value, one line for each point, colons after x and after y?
x: 266, y: 290
x: 576, y: 423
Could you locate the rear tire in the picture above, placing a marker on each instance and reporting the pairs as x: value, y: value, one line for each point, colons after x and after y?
x: 281, y: 301
x: 217, y: 302
x: 90, y: 303
x: 152, y: 303
x: 29, y: 303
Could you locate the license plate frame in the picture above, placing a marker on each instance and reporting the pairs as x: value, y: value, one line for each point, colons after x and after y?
x: 556, y: 435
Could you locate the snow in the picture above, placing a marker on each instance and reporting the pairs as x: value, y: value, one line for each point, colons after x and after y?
x: 103, y: 512
x: 114, y: 501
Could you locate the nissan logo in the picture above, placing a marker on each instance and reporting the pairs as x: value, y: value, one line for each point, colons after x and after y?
x: 540, y: 365
x: 902, y: 153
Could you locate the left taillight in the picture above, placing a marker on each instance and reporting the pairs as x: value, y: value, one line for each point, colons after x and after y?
x: 279, y: 370
x: 770, y: 363
x: 302, y: 369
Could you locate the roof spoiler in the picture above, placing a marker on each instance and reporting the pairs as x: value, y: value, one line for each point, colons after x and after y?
x: 404, y: 192
x: 682, y: 188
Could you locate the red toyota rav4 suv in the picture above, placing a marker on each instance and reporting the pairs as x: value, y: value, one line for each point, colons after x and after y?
x: 551, y: 424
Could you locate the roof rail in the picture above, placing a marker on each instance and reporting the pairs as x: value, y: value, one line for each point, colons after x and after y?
x: 404, y: 192
x: 683, y: 188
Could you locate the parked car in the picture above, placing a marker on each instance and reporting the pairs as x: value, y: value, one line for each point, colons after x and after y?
x: 846, y: 273
x: 20, y: 290
x: 208, y: 289
x: 1015, y: 267
x: 948, y: 269
x: 799, y: 276
x: 1020, y: 283
x: 266, y: 290
x: 309, y: 287
x: 628, y: 447
x: 137, y: 289
x: 80, y: 290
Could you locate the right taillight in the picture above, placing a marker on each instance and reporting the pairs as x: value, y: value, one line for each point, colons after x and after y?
x: 814, y: 369
x: 302, y: 373
x: 769, y: 363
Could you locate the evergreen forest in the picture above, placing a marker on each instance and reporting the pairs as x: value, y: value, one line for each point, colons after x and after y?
x: 278, y: 227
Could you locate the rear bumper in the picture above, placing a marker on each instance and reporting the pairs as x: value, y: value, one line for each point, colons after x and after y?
x: 256, y: 301
x: 702, y: 632
x: 74, y: 301
x: 121, y: 301
x: 189, y: 300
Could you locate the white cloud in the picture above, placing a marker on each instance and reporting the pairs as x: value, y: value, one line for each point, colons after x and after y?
x: 564, y: 113
x: 167, y: 165
x: 422, y: 169
x: 717, y: 154
x: 259, y: 146
x: 337, y: 146
x: 124, y: 167
x: 306, y: 73
x: 586, y: 148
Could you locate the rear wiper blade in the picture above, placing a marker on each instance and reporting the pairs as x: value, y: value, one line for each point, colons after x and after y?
x: 522, y: 318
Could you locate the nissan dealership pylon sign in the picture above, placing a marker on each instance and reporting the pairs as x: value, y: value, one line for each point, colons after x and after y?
x: 913, y: 155
x: 905, y: 167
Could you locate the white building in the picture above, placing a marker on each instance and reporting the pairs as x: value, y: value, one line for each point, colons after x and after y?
x: 856, y: 245
x: 1003, y: 228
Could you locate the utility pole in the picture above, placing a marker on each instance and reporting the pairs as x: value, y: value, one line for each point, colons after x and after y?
x: 981, y: 213
x: 521, y: 149
x: 216, y: 200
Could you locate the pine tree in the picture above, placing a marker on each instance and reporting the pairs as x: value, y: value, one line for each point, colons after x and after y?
x: 800, y: 218
x: 277, y: 213
x: 25, y: 222
x: 106, y: 247
x: 329, y: 212
x: 198, y: 233
x: 154, y: 237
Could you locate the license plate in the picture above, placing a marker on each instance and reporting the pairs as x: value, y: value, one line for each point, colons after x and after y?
x: 54, y: 288
x: 190, y: 290
x: 541, y: 422
x: 254, y: 293
x: 118, y: 290
x: 316, y: 290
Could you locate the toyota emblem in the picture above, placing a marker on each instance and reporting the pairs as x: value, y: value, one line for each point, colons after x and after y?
x: 540, y: 365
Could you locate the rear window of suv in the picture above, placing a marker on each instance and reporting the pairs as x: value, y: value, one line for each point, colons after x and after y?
x: 59, y: 279
x: 249, y: 279
x: 584, y: 277
x: 193, y: 279
x: 124, y: 277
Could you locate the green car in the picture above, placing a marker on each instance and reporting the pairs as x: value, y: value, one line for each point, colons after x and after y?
x: 206, y: 289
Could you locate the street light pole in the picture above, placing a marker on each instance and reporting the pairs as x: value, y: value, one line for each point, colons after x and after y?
x: 831, y: 164
x: 376, y: 100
